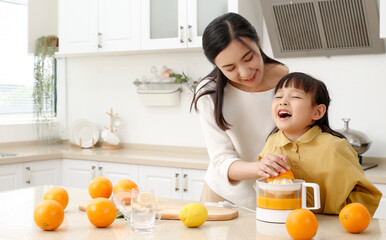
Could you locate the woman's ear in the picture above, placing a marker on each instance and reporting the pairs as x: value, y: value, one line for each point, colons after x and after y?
x: 319, y: 112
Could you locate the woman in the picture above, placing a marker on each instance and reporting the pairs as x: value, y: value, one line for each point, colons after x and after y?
x: 234, y: 107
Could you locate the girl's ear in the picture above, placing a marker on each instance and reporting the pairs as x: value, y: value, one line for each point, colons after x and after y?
x: 319, y: 112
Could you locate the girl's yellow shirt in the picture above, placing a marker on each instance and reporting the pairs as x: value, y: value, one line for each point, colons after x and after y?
x: 330, y: 161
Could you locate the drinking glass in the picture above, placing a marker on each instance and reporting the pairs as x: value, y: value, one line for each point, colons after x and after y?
x: 143, y: 215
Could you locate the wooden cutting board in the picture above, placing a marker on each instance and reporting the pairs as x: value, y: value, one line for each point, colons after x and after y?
x: 171, y: 210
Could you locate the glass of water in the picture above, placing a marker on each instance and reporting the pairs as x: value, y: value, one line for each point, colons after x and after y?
x: 143, y: 205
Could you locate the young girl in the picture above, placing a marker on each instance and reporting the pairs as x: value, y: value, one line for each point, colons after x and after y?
x: 315, y: 152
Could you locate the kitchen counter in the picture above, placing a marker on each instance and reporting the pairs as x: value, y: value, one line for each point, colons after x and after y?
x: 163, y: 156
x: 16, y: 220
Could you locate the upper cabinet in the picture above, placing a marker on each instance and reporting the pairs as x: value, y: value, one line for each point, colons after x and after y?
x: 87, y: 26
x: 90, y: 26
x: 177, y: 24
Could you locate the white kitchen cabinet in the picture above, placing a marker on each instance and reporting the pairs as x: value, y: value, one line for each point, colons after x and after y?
x: 89, y: 26
x: 174, y: 24
x: 79, y: 173
x: 118, y: 171
x: 192, y: 184
x: 42, y: 172
x: 11, y: 176
x: 177, y: 23
x: 381, y: 211
x: 174, y: 183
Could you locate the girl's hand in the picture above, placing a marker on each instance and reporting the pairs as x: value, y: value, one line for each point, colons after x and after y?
x: 271, y: 165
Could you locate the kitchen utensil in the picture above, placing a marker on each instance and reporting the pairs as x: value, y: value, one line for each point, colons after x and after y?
x: 86, y: 134
x: 275, y: 201
x: 116, y: 122
x: 109, y: 135
x: 83, y: 133
x: 170, y: 210
x: 71, y: 130
x: 358, y: 140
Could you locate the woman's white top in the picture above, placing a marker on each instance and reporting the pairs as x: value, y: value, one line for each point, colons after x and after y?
x: 249, y: 114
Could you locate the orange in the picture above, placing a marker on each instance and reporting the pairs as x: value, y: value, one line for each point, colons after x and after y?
x: 301, y: 224
x: 48, y: 215
x: 124, y: 196
x: 58, y: 194
x: 100, y: 187
x: 101, y: 212
x: 124, y: 184
x: 288, y: 174
x: 354, y: 217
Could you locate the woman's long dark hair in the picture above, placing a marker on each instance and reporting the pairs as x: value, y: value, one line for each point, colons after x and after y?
x: 217, y: 36
x: 318, y: 91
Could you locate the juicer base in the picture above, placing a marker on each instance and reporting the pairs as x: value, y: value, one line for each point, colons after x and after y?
x: 273, y: 216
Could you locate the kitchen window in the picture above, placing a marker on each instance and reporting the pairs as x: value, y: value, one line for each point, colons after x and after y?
x: 16, y: 65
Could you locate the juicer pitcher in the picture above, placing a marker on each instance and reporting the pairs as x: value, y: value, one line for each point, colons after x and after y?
x: 275, y: 201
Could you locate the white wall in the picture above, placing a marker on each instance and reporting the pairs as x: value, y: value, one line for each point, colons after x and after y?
x: 42, y: 20
x: 95, y: 84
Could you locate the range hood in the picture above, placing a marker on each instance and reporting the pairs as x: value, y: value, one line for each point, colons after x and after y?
x: 300, y: 28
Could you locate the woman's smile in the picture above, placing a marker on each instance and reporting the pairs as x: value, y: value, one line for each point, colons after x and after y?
x: 251, y: 79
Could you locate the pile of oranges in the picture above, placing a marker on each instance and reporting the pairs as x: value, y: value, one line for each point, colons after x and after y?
x: 101, y: 212
x: 49, y: 213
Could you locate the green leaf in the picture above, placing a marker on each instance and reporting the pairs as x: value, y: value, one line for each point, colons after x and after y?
x: 120, y: 215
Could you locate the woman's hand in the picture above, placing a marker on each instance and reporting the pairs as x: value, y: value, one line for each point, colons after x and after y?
x: 271, y: 165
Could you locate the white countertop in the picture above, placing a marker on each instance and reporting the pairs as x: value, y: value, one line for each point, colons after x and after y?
x: 184, y: 157
x: 164, y: 156
x: 16, y: 221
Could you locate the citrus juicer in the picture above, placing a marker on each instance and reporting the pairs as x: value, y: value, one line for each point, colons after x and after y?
x: 275, y: 201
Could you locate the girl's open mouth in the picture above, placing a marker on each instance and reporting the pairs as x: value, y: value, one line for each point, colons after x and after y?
x: 284, y: 114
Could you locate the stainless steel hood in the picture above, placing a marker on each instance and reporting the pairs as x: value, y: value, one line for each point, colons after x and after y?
x: 299, y: 28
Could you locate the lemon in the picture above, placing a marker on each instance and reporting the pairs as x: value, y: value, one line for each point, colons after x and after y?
x: 193, y: 214
x: 145, y: 198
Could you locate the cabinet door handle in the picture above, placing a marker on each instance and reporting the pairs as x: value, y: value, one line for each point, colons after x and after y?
x: 176, y: 185
x: 189, y: 33
x: 99, y: 40
x: 28, y: 181
x: 181, y: 34
x: 185, y: 182
x: 100, y: 171
x: 93, y: 172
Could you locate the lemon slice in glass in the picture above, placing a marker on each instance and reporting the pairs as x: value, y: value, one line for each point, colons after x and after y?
x: 145, y: 198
